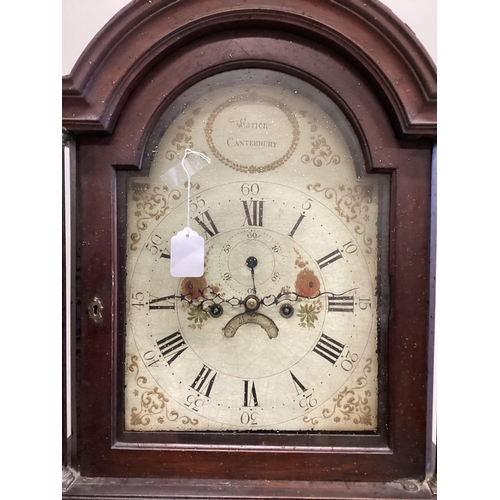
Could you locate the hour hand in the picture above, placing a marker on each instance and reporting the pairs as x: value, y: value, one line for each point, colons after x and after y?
x: 210, y: 300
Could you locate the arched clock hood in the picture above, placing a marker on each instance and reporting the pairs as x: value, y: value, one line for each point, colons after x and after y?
x: 145, y: 34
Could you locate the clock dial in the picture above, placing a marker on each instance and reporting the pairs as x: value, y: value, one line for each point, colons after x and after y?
x: 280, y: 332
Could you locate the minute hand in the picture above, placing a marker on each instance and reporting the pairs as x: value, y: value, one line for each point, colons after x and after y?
x: 272, y: 300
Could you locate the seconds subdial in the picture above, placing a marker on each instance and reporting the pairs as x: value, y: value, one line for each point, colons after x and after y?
x: 251, y: 261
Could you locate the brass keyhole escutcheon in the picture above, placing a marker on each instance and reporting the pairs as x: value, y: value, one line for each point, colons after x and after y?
x: 95, y: 310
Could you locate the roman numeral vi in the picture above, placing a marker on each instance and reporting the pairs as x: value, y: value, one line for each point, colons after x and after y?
x: 249, y: 394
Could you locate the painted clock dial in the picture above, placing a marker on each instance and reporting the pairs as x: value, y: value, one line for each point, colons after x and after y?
x: 280, y: 332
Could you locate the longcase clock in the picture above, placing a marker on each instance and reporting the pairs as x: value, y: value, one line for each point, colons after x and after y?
x: 296, y: 141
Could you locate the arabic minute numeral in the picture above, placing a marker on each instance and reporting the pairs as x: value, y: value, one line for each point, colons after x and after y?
x: 364, y: 304
x: 197, y: 204
x: 193, y: 403
x: 249, y: 418
x: 307, y: 402
x: 350, y: 247
x: 138, y: 297
x: 347, y: 364
x: 154, y: 246
x: 248, y: 189
x: 307, y: 204
x: 151, y: 359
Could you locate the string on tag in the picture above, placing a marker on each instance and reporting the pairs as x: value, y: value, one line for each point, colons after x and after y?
x: 207, y: 159
x: 187, y: 247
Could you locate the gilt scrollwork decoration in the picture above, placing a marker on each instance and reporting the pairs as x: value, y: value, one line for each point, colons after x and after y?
x: 352, y: 205
x: 183, y: 139
x: 153, y: 402
x: 321, y: 153
x: 151, y: 203
x: 350, y: 404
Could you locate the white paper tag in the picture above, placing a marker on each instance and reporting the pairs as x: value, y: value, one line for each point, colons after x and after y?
x: 187, y: 254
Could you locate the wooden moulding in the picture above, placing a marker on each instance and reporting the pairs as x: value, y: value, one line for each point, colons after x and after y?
x: 101, y: 489
x: 144, y: 32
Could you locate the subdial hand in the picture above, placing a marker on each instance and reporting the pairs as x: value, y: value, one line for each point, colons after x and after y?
x: 252, y: 263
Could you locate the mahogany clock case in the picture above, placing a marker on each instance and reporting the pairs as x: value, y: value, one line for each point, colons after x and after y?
x: 389, y: 103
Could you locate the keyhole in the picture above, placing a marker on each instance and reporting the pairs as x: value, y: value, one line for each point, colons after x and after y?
x: 95, y: 310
